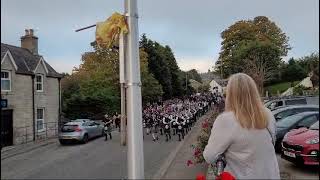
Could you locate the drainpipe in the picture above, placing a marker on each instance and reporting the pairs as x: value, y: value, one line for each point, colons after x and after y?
x: 33, y: 111
x: 59, y: 118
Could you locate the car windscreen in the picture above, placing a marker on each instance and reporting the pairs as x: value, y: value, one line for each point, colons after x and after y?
x: 69, y: 128
x: 315, y: 126
x: 288, y: 121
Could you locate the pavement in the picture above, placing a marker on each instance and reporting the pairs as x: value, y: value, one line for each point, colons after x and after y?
x: 10, y: 151
x: 97, y: 159
x: 178, y: 168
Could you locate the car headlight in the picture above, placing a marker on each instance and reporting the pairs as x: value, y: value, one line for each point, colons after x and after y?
x: 313, y: 140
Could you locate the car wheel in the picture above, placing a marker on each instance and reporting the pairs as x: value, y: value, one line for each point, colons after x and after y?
x: 85, y: 138
x: 62, y: 142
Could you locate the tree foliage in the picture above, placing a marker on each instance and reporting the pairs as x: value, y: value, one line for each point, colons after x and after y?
x: 93, y: 89
x: 162, y: 64
x: 242, y: 36
x: 293, y: 71
x: 261, y: 61
x: 193, y: 74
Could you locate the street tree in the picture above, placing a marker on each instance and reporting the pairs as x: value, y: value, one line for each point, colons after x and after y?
x: 259, y: 59
x: 245, y: 33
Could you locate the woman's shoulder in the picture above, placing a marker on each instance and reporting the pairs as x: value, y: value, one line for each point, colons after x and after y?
x: 226, y: 115
x: 226, y: 118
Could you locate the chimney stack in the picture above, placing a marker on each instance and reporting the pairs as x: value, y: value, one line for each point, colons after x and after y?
x: 30, y: 42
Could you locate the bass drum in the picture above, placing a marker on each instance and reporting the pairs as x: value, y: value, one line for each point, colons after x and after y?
x: 166, y: 127
x: 179, y: 127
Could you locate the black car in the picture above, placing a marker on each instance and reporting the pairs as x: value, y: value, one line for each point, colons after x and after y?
x: 286, y: 111
x: 305, y: 119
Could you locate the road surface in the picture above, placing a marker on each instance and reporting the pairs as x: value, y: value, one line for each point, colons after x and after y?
x: 97, y: 159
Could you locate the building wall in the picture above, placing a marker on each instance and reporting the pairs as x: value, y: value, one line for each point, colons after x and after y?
x: 49, y: 100
x: 20, y: 100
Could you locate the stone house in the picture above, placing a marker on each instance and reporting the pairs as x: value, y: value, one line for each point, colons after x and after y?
x: 30, y: 93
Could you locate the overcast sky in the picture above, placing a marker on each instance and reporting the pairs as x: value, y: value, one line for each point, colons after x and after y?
x: 190, y: 27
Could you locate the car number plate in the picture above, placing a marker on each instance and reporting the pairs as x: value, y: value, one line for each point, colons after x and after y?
x: 66, y: 137
x: 290, y: 154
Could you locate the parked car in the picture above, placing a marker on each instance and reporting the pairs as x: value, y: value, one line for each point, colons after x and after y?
x: 302, y: 145
x: 285, y: 102
x: 80, y: 131
x: 305, y: 119
x: 280, y: 113
x: 81, y: 120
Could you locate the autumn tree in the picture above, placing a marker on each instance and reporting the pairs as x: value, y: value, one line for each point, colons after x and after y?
x: 93, y: 89
x: 241, y: 37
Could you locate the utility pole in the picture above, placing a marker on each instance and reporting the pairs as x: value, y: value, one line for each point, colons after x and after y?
x: 135, y: 156
x: 129, y: 62
x: 122, y: 78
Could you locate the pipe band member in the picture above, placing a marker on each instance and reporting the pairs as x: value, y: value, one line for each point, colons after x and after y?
x: 107, y: 127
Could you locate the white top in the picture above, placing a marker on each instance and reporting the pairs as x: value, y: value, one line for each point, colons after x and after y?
x: 249, y: 154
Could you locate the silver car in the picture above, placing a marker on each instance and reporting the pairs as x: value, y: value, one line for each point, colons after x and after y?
x: 284, y: 112
x: 80, y: 130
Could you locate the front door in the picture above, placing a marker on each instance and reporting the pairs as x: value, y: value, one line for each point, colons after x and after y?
x: 6, y: 128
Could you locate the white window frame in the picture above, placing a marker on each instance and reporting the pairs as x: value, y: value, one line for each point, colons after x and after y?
x: 41, y: 75
x: 43, y: 125
x: 9, y: 78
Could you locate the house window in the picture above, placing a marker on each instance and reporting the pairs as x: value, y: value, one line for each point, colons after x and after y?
x: 40, y: 119
x: 5, y: 81
x: 39, y: 83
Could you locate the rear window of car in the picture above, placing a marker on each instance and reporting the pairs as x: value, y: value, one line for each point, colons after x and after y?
x: 69, y: 128
x: 288, y: 121
x: 295, y: 101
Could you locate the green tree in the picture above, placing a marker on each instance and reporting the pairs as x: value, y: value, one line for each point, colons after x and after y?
x: 193, y: 74
x: 93, y: 89
x: 260, y: 60
x: 293, y: 71
x: 310, y: 64
x: 162, y: 64
x: 245, y: 33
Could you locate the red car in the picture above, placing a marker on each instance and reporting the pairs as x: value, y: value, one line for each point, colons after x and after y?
x: 302, y: 145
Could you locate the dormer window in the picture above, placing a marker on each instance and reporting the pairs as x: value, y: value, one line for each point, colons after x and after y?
x: 39, y: 83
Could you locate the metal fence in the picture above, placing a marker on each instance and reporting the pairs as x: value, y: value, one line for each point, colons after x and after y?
x: 27, y: 134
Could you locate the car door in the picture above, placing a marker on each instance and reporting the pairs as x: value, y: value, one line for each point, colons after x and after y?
x: 86, y: 126
x: 93, y: 128
x: 307, y: 121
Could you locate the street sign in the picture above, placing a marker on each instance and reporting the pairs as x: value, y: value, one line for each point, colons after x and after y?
x: 4, y: 103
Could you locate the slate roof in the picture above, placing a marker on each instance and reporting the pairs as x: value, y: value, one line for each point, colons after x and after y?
x: 26, y: 61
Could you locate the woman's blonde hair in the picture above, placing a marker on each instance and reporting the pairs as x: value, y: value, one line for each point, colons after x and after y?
x: 243, y: 99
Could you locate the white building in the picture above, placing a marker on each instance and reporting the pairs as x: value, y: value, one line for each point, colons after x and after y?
x: 218, y: 86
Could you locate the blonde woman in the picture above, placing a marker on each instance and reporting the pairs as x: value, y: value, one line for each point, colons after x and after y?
x: 244, y: 133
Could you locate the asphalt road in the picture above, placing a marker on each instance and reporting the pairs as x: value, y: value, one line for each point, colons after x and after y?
x: 291, y: 171
x: 97, y: 159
